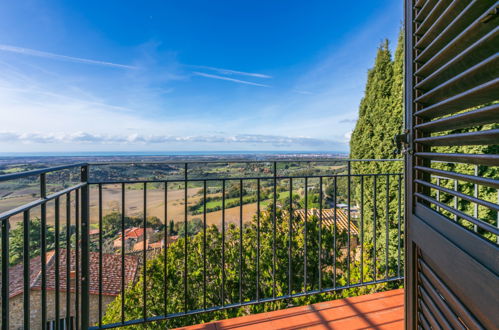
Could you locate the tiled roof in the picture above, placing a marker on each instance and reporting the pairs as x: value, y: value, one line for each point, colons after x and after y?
x: 131, y: 233
x: 111, y: 273
x: 94, y: 231
x: 134, y: 232
x: 139, y: 246
x: 16, y: 276
x: 329, y: 219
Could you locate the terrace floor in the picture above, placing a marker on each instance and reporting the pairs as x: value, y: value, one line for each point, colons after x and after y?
x: 384, y: 310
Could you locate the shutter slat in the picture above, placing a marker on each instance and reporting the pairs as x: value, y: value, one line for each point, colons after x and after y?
x: 432, y: 16
x: 441, y: 23
x: 478, y: 74
x: 482, y: 116
x: 463, y: 313
x: 458, y: 194
x: 437, y: 313
x: 461, y: 32
x: 485, y: 93
x: 489, y: 182
x: 477, y: 52
x: 477, y: 159
x: 439, y: 300
x: 419, y: 3
x: 487, y: 137
x: 462, y: 215
x: 425, y: 10
x: 428, y: 315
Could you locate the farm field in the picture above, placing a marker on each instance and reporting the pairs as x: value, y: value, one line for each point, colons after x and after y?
x: 111, y: 202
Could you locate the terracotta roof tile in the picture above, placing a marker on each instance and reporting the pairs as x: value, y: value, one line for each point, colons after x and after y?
x: 111, y: 273
x: 328, y: 218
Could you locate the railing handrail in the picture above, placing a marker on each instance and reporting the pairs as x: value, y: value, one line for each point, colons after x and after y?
x: 23, y: 174
x: 77, y: 207
x: 20, y: 175
x: 10, y: 213
x: 245, y: 161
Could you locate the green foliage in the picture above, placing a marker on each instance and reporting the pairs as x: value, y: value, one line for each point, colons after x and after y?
x: 483, y: 192
x: 258, y: 232
x: 193, y: 227
x: 380, y: 119
x: 111, y: 223
x: 35, y: 229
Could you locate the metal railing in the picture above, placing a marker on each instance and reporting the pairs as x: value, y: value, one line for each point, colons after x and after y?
x: 279, y: 230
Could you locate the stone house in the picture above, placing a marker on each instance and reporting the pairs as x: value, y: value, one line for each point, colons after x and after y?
x: 111, y: 287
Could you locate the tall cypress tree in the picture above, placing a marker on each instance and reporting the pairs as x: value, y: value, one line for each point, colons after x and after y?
x: 369, y: 130
x: 380, y: 118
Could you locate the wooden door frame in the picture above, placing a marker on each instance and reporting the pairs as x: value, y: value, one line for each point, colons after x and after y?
x: 409, y: 267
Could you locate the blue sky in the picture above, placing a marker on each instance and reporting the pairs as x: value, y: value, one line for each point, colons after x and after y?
x: 186, y: 75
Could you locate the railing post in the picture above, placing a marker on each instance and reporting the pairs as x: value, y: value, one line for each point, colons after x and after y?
x: 43, y: 249
x: 5, y: 273
x: 85, y: 276
x: 349, y: 201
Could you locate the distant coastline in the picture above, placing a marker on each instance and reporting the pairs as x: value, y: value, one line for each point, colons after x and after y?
x: 11, y: 161
x: 170, y: 153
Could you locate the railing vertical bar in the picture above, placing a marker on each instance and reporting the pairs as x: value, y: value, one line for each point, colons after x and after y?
x: 43, y: 250
x: 85, y: 250
x: 335, y: 199
x: 68, y: 260
x: 26, y: 269
x: 475, y: 205
x: 258, y: 239
x: 305, y: 238
x: 399, y: 223
x: 349, y: 187
x: 375, y: 185
x: 100, y: 255
x: 5, y: 274
x: 204, y: 244
x: 438, y: 194
x: 241, y: 241
x: 274, y: 224
x: 456, y: 201
x: 362, y: 229
x: 290, y: 235
x: 186, y: 236
x: 165, y: 261
x: 387, y: 221
x: 144, y: 256
x: 57, y: 262
x: 123, y: 210
x: 320, y: 233
x: 77, y: 259
x: 223, y: 242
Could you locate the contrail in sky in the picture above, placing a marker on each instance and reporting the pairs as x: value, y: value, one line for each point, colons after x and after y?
x: 38, y: 53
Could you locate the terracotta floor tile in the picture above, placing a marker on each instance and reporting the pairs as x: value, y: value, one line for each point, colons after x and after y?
x: 204, y: 326
x: 383, y: 310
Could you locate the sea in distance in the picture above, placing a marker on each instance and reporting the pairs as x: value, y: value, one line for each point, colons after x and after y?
x: 167, y: 153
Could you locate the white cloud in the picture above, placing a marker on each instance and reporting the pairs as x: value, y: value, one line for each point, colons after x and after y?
x: 139, y: 139
x: 37, y: 53
x: 212, y: 76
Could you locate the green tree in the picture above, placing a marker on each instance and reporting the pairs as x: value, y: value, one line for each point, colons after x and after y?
x: 258, y: 243
x: 380, y: 119
x: 35, y: 230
